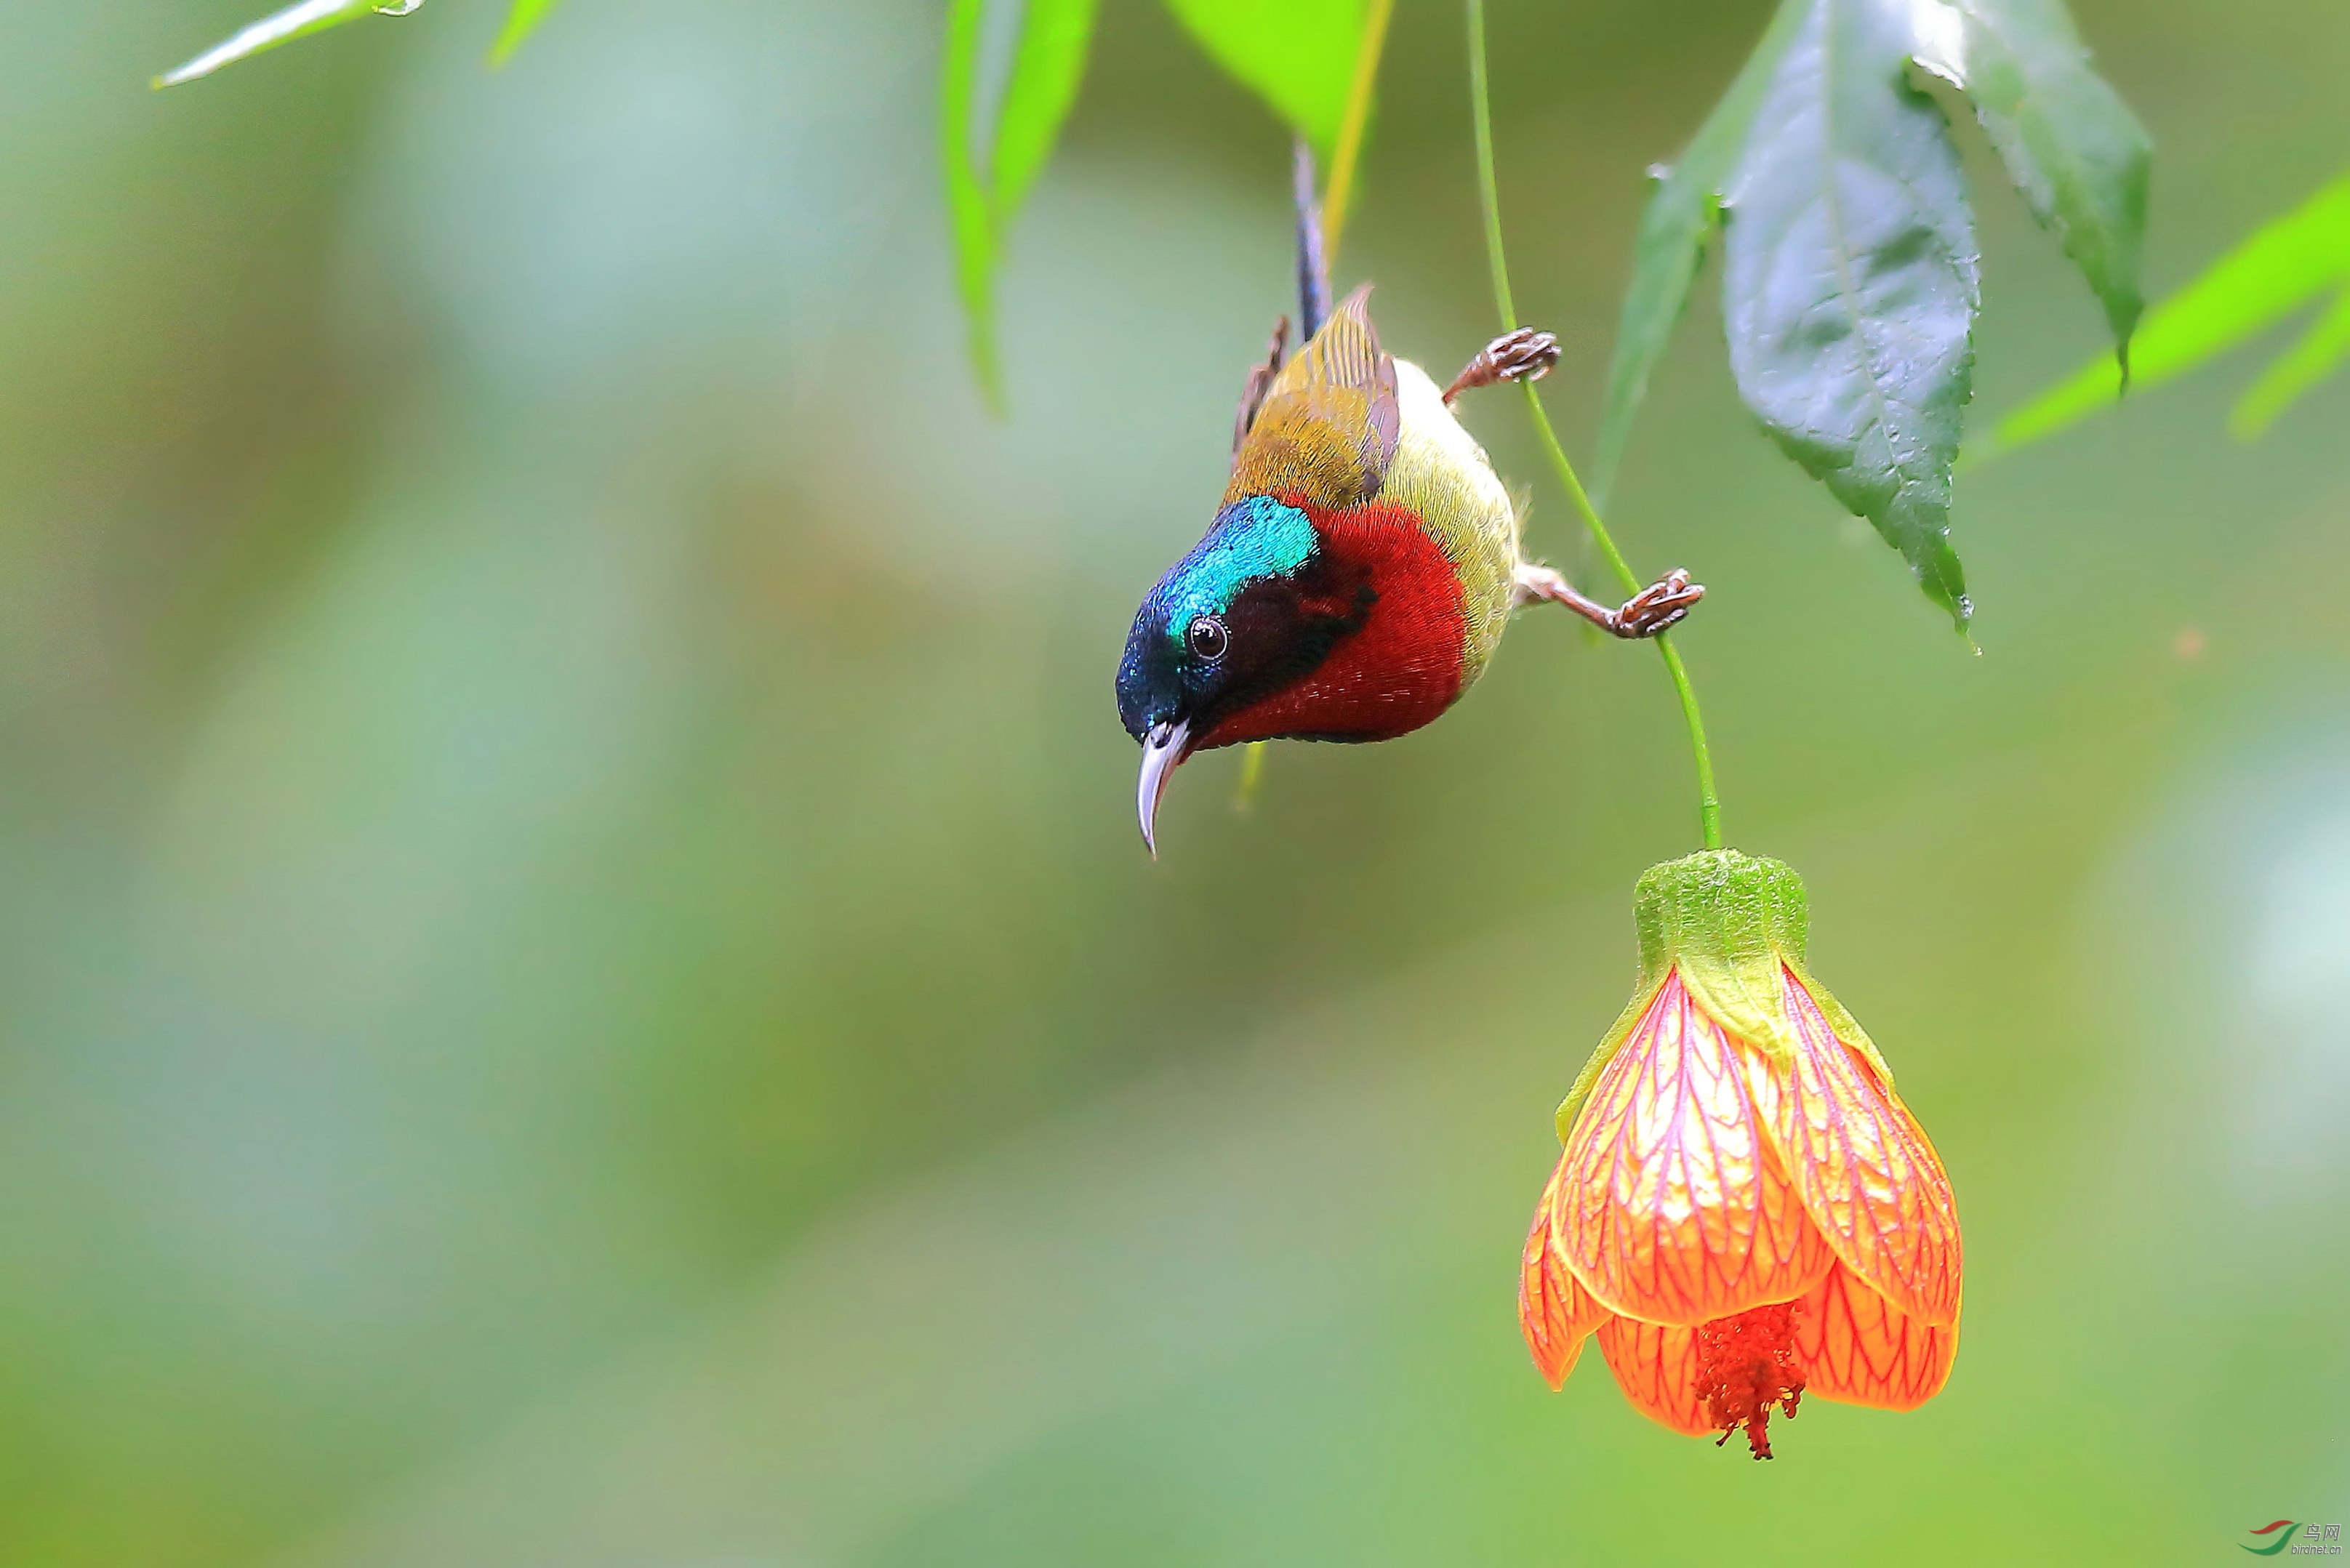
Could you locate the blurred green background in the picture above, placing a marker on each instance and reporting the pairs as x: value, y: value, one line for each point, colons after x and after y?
x: 579, y: 986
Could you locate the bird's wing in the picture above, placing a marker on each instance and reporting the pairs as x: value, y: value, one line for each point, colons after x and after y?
x: 1327, y: 428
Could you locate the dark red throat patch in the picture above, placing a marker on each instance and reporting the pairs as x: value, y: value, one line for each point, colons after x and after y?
x: 1401, y: 666
x: 1746, y: 1364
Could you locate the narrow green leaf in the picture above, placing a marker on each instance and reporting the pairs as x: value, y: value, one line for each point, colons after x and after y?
x: 1671, y: 243
x: 2280, y: 268
x: 281, y: 27
x: 2077, y: 153
x: 2302, y: 367
x: 1849, y: 281
x: 526, y: 15
x: 1046, y: 71
x: 996, y: 128
x: 974, y: 235
x: 1296, y: 55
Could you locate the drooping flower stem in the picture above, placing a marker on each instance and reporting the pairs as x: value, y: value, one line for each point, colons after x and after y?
x: 1709, y: 801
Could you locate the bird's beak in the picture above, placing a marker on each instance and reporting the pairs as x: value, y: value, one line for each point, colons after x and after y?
x: 1163, y: 748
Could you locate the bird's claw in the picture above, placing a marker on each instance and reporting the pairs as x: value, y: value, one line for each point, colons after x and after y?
x: 1524, y: 355
x: 1659, y: 607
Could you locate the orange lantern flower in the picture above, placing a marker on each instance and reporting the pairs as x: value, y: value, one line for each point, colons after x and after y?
x: 1745, y: 1212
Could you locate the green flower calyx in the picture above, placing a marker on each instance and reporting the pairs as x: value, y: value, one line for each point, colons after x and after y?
x: 1728, y: 923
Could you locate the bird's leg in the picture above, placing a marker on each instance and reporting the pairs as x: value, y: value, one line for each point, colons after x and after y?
x: 1524, y: 355
x: 1657, y: 607
x: 1259, y: 383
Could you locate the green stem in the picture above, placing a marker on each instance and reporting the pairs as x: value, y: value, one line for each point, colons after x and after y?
x: 1335, y: 194
x: 1709, y: 801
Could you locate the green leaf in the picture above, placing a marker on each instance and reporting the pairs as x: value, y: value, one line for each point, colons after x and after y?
x: 1296, y: 55
x: 1671, y: 244
x: 2279, y: 269
x: 2302, y: 367
x: 526, y: 15
x: 2077, y: 153
x: 283, y: 27
x: 997, y: 126
x: 1849, y: 283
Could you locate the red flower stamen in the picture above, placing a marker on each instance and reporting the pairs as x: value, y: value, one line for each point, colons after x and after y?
x: 1745, y: 1364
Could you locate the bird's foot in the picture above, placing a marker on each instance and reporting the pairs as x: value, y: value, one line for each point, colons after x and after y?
x: 1655, y: 609
x: 1659, y: 607
x: 1524, y: 355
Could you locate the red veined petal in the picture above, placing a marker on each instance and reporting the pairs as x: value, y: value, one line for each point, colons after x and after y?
x: 1657, y: 1370
x: 1673, y: 1207
x: 1555, y: 1312
x: 1863, y: 1166
x: 1856, y: 1346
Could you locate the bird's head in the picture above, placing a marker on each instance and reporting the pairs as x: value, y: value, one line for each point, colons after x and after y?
x: 1223, y: 646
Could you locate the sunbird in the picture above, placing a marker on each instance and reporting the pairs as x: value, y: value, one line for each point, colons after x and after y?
x: 1365, y: 559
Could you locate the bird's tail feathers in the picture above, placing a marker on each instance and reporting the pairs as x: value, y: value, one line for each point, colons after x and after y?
x: 1313, y: 264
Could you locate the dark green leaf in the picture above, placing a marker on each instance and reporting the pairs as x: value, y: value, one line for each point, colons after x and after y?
x: 525, y: 15
x: 2279, y: 269
x: 1848, y: 280
x: 1297, y: 55
x: 997, y: 126
x: 1671, y: 243
x: 280, y: 28
x: 2072, y: 147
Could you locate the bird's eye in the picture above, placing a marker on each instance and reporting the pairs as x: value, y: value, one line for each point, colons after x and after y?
x: 1209, y: 638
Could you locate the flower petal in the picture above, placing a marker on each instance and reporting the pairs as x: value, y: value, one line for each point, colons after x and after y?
x: 1853, y: 1346
x: 1657, y: 1370
x: 1556, y: 1314
x: 1863, y: 1166
x: 1673, y: 1207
